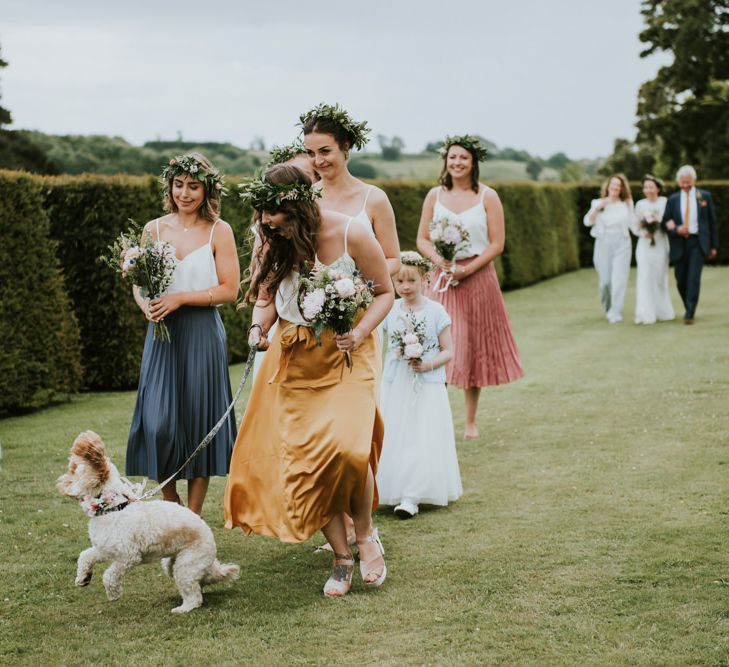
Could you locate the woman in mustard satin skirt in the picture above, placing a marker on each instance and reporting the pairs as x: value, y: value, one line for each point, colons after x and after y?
x: 310, y: 439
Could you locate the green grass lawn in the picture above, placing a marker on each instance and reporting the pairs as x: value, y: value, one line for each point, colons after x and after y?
x: 592, y: 530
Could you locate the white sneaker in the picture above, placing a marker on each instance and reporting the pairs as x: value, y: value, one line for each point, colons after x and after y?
x: 407, y: 509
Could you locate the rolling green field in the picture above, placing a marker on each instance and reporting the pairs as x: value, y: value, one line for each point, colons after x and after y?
x: 592, y: 530
x: 428, y: 167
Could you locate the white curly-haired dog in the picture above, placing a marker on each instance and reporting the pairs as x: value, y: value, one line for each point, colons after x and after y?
x: 128, y: 533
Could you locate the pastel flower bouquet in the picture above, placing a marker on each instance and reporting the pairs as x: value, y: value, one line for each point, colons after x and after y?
x: 650, y: 223
x: 331, y: 299
x: 449, y: 237
x: 148, y: 264
x: 410, y: 342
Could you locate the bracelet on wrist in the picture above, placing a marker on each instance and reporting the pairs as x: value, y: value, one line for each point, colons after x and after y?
x: 255, y: 326
x: 210, y: 303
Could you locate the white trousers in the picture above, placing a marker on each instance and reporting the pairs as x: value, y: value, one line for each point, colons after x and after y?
x: 611, y: 258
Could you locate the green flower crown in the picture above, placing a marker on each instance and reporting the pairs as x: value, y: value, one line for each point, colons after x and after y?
x: 181, y: 165
x: 469, y: 142
x: 266, y: 196
x: 357, y: 131
x: 281, y: 154
x: 412, y: 258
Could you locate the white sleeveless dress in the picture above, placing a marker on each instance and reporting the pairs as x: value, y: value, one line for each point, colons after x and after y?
x: 184, y: 386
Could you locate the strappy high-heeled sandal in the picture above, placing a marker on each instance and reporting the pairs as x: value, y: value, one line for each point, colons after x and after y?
x: 366, y: 568
x: 340, y: 580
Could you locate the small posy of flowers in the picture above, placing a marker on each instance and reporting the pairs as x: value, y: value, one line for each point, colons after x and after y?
x: 449, y: 237
x: 330, y: 299
x: 650, y: 223
x: 96, y: 505
x: 146, y: 263
x: 410, y: 342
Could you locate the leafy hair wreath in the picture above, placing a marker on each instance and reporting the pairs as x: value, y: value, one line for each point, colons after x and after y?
x: 281, y: 154
x: 412, y: 258
x: 266, y: 196
x: 335, y: 113
x: 471, y: 143
x: 181, y: 165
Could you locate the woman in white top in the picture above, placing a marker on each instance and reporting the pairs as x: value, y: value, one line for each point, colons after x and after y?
x: 311, y: 436
x: 184, y: 387
x: 329, y: 135
x: 652, y: 299
x: 484, y: 351
x: 610, y: 218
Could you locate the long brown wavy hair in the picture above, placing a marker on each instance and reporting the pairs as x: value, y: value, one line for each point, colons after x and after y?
x: 625, y: 194
x: 210, y: 207
x: 292, y: 246
x: 447, y: 180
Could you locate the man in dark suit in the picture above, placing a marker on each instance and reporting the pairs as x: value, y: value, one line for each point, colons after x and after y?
x: 690, y: 221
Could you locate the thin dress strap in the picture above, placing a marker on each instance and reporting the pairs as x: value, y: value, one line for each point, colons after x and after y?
x: 367, y: 196
x: 346, y: 232
x: 437, y: 194
x: 210, y: 242
x: 483, y: 194
x: 157, y: 223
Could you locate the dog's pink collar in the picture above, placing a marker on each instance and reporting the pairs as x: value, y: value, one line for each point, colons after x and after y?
x: 105, y: 503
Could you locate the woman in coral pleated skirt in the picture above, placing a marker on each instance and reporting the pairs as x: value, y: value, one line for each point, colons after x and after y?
x: 485, y: 352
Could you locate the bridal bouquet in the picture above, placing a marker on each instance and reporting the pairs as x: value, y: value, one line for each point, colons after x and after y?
x: 410, y: 343
x: 449, y: 237
x: 331, y: 299
x: 146, y: 263
x: 650, y: 223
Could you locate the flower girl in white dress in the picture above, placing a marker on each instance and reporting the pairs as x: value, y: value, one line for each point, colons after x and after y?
x: 418, y: 462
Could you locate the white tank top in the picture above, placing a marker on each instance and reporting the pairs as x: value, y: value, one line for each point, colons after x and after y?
x: 196, y: 271
x: 362, y: 216
x: 473, y: 219
x: 287, y: 295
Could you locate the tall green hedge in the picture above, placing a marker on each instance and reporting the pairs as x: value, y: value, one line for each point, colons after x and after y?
x: 541, y: 238
x: 86, y: 213
x: 69, y: 221
x: 39, y: 355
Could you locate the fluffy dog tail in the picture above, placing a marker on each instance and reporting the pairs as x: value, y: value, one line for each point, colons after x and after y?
x: 219, y: 572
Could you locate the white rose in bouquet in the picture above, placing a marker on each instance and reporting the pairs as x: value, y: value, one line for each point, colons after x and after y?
x: 313, y: 303
x: 413, y: 351
x: 344, y: 287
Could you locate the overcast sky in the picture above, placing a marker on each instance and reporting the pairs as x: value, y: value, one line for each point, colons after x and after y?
x: 536, y: 75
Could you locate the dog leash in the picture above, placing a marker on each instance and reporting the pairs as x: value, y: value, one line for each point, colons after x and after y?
x: 208, y: 438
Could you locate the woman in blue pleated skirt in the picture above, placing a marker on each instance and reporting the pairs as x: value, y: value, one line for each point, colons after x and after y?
x: 184, y: 386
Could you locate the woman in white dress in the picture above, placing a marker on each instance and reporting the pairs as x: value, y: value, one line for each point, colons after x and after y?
x: 610, y: 218
x: 329, y: 135
x: 652, y: 301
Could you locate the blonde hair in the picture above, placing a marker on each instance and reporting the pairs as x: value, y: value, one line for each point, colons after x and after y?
x: 414, y: 260
x: 210, y: 207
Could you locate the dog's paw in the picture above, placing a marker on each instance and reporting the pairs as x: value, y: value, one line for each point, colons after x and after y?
x: 83, y: 580
x: 184, y: 608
